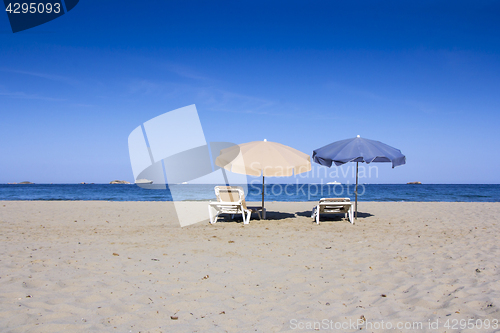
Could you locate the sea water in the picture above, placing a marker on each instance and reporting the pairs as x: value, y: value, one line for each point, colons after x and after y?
x: 273, y: 192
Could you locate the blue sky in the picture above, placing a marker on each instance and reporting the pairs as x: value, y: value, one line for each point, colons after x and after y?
x: 422, y: 77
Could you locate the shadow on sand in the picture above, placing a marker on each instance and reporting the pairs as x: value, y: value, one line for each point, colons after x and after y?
x: 332, y: 217
x: 363, y: 215
x: 274, y: 216
x: 340, y: 217
x: 270, y: 215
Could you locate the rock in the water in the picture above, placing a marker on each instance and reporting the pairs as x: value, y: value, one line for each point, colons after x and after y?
x: 415, y: 183
x: 26, y: 183
x: 119, y: 182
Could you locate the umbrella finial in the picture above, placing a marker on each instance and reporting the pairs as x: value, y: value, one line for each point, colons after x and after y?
x: 358, y: 136
x: 265, y: 140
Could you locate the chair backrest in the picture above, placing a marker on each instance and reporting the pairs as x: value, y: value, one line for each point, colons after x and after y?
x: 334, y: 205
x: 326, y: 200
x: 230, y: 194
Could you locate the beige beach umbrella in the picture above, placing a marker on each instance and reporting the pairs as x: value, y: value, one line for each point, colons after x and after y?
x: 269, y: 159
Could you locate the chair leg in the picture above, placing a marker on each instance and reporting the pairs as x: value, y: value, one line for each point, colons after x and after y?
x: 317, y: 214
x: 213, y: 219
x: 210, y: 214
x: 350, y: 215
x: 247, y: 219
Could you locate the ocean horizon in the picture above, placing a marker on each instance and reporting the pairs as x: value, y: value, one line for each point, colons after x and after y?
x: 273, y: 192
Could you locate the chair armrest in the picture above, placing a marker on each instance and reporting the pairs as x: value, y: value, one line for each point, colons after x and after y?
x: 225, y: 203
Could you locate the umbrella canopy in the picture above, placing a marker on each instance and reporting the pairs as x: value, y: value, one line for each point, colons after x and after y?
x: 269, y: 159
x: 357, y: 150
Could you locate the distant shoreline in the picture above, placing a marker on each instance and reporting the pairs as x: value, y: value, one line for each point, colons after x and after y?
x: 266, y: 184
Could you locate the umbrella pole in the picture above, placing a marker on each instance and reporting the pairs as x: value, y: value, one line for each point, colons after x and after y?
x: 225, y: 176
x: 263, y: 209
x: 356, y: 204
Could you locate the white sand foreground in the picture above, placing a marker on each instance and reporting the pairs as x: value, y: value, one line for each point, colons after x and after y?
x: 128, y: 267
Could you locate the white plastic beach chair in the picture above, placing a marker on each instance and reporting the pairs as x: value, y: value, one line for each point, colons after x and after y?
x: 230, y: 200
x: 333, y: 206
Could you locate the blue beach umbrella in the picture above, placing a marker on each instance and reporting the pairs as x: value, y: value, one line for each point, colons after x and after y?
x: 357, y: 150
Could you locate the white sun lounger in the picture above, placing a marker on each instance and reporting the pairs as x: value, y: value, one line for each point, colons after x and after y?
x: 333, y: 206
x: 230, y: 200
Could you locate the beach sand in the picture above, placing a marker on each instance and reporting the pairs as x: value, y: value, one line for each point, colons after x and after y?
x: 128, y: 267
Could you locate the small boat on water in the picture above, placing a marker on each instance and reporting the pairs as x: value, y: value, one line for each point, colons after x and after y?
x: 333, y: 183
x: 143, y: 181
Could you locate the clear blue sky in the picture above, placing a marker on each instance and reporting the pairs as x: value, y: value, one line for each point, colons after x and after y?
x: 422, y: 76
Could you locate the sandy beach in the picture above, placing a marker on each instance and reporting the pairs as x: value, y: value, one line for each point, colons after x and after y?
x: 100, y: 266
